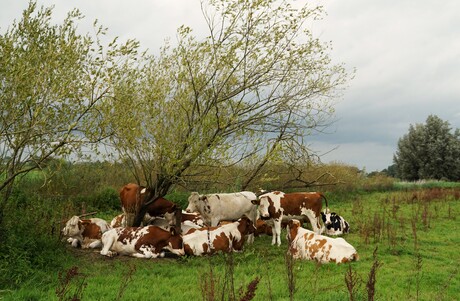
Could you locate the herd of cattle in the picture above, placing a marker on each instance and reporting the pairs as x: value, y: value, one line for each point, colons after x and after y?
x: 216, y: 222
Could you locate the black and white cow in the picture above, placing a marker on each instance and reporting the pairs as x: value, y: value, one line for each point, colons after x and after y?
x: 334, y: 224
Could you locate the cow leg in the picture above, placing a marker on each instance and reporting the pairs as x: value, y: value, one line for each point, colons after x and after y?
x: 95, y: 244
x: 75, y: 242
x: 314, y: 221
x: 214, y: 222
x: 276, y: 228
x: 107, y: 241
x: 250, y: 239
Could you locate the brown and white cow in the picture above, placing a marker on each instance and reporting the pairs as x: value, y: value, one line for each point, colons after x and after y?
x: 141, y: 242
x: 263, y: 228
x: 278, y: 206
x: 85, y: 232
x: 226, y: 238
x: 132, y: 197
x: 305, y: 244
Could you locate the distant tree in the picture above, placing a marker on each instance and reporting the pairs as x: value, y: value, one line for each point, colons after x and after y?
x: 52, y: 82
x: 391, y: 171
x: 429, y: 151
x: 252, y: 90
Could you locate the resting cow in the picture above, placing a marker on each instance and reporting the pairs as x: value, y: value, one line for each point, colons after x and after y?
x: 305, y: 244
x: 132, y: 197
x: 141, y: 242
x: 85, y: 232
x: 278, y: 206
x: 227, y: 238
x: 334, y: 224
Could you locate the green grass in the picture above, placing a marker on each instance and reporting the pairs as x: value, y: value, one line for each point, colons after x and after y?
x: 426, y: 270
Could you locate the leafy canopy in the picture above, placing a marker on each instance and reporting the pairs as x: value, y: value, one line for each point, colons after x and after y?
x: 254, y: 88
x: 429, y: 151
x: 53, y: 82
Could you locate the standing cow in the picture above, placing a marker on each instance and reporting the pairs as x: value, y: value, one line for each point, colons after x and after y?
x: 224, y: 207
x: 141, y: 242
x: 226, y: 238
x: 132, y: 197
x: 305, y: 244
x: 278, y: 206
x: 334, y: 224
x: 85, y: 232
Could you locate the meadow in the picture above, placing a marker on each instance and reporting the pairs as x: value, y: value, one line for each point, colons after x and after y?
x: 407, y: 241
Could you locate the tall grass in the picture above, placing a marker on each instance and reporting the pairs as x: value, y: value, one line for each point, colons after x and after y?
x: 414, y: 230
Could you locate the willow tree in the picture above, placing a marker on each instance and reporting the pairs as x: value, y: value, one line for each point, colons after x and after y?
x: 52, y: 82
x: 257, y: 85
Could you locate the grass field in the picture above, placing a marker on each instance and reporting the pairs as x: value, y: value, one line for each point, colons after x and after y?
x: 413, y: 234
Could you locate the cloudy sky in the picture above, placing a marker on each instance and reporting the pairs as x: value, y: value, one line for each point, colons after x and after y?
x: 406, y: 54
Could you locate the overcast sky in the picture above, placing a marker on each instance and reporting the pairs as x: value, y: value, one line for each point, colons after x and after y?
x: 406, y: 54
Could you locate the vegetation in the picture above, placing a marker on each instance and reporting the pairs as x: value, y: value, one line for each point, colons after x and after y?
x: 406, y: 241
x: 52, y: 82
x: 224, y: 113
x: 429, y: 151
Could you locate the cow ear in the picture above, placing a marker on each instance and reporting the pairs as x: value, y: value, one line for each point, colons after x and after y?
x: 173, y: 231
x: 256, y: 202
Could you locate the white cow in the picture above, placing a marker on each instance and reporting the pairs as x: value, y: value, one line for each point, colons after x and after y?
x: 306, y: 244
x: 85, y: 233
x: 224, y: 207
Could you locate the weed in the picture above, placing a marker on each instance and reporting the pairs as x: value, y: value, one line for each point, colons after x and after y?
x: 64, y: 291
x: 126, y: 279
x: 353, y: 281
x: 289, y: 262
x: 251, y: 290
x: 372, y: 279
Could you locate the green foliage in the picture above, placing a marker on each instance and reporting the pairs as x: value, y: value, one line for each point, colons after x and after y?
x: 30, y: 232
x: 221, y: 100
x: 52, y: 81
x: 429, y: 151
x: 426, y: 271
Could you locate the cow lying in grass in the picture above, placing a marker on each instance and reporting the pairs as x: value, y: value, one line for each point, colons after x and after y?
x: 226, y: 238
x: 141, y: 242
x: 334, y: 224
x: 305, y: 244
x: 85, y: 233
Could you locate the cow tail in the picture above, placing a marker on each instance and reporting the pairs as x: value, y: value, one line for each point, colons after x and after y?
x: 325, y: 200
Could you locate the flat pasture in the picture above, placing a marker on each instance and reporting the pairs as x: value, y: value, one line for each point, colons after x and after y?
x: 408, y: 242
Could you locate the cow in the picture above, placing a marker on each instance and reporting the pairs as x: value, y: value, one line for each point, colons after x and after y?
x: 278, y: 206
x: 141, y: 242
x: 132, y: 197
x: 190, y: 221
x: 223, y: 206
x: 85, y: 233
x: 226, y: 238
x: 263, y: 228
x: 305, y: 244
x: 334, y: 224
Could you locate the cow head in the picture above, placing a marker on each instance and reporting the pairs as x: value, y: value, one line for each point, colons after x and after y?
x: 328, y: 217
x: 175, y: 243
x: 193, y: 201
x: 246, y: 226
x: 73, y: 227
x: 292, y: 229
x: 264, y: 204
